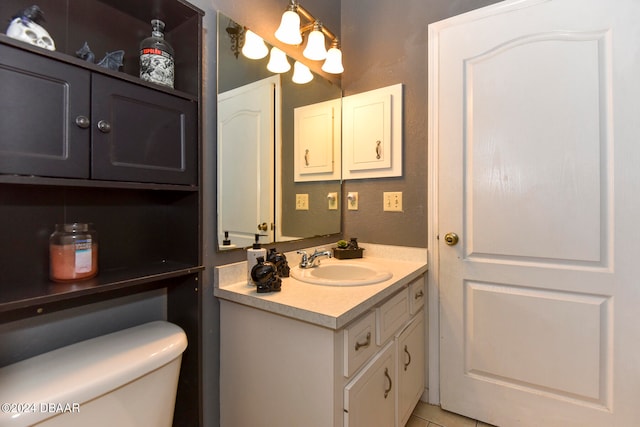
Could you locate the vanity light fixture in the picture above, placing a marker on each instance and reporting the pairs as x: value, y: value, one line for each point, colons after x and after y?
x: 290, y: 32
x: 278, y: 62
x: 254, y: 46
x: 301, y: 73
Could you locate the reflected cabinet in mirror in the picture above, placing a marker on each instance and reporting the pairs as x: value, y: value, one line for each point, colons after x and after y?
x: 279, y: 147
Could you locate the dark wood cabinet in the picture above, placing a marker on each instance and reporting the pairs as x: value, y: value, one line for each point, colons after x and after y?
x: 80, y: 143
x: 62, y: 121
x: 142, y: 135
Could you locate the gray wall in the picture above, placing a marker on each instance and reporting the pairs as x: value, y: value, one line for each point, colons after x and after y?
x: 384, y: 43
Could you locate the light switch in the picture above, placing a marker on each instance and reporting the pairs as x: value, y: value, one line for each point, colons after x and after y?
x: 392, y: 201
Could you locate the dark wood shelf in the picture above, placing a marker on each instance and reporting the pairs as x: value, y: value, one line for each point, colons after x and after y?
x: 28, y: 299
x: 91, y: 183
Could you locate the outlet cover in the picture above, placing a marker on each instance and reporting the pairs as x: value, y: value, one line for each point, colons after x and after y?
x: 332, y: 200
x: 352, y: 201
x: 392, y: 201
x: 302, y: 202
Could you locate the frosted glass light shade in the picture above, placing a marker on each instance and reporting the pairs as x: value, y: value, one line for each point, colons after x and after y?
x: 301, y: 73
x: 278, y: 62
x: 333, y: 63
x: 254, y: 47
x: 289, y: 30
x: 315, y: 49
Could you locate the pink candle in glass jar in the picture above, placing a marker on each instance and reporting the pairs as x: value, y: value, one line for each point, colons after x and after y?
x: 73, y: 252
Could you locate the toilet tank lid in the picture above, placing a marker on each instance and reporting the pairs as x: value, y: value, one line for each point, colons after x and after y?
x: 83, y: 371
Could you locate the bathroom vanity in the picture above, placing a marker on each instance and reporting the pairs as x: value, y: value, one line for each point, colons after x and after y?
x: 318, y: 355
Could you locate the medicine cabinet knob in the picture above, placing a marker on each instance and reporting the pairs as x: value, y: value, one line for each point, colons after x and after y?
x: 83, y: 122
x: 451, y: 239
x: 104, y: 126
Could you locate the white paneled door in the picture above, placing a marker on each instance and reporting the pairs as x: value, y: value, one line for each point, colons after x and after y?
x: 247, y: 124
x: 533, y: 113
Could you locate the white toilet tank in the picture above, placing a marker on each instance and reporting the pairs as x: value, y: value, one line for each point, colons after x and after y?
x: 127, y: 379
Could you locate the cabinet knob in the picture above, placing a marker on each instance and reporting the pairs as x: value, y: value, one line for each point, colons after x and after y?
x: 104, y: 126
x: 83, y: 122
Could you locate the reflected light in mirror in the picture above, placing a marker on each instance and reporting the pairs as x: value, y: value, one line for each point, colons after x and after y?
x: 254, y: 46
x: 315, y: 49
x: 289, y: 30
x: 333, y: 63
x: 301, y: 73
x: 278, y: 61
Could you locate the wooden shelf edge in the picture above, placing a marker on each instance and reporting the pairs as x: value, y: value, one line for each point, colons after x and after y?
x: 107, y: 285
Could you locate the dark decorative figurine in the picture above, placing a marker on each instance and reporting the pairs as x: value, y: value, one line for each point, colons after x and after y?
x: 280, y: 261
x: 265, y: 276
x: 111, y: 60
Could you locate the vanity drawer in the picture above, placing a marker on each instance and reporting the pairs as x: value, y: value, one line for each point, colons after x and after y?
x: 391, y: 316
x: 417, y: 295
x: 358, y: 343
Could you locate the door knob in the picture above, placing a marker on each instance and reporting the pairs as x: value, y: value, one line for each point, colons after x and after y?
x: 104, y: 126
x: 451, y: 239
x: 263, y: 226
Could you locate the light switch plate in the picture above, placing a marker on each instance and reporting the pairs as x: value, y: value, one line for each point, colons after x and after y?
x: 302, y: 202
x: 392, y: 201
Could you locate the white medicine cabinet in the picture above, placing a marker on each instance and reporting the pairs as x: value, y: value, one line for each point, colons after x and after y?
x: 372, y: 134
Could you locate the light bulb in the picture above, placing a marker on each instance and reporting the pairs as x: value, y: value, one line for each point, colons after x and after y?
x: 333, y: 63
x: 289, y: 30
x: 301, y: 73
x: 315, y: 49
x: 254, y: 47
x: 278, y: 62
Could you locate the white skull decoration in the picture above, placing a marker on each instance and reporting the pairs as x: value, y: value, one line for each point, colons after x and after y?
x: 30, y: 32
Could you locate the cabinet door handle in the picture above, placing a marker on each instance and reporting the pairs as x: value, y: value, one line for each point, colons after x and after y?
x: 364, y: 344
x: 386, y: 374
x: 406, y: 365
x: 83, y: 122
x: 306, y: 157
x: 378, y: 149
x: 419, y: 294
x: 104, y: 126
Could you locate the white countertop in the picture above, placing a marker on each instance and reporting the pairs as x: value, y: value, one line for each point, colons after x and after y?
x: 328, y: 306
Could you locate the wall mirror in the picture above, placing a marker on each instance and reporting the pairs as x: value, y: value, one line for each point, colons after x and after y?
x: 277, y: 177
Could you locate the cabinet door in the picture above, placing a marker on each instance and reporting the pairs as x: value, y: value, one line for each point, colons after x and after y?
x: 369, y: 399
x: 410, y: 368
x: 41, y: 102
x: 316, y: 133
x: 142, y: 135
x: 372, y: 134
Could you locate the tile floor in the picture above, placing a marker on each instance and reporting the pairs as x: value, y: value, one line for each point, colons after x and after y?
x: 426, y: 415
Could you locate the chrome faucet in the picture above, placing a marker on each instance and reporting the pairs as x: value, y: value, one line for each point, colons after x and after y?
x: 308, y: 261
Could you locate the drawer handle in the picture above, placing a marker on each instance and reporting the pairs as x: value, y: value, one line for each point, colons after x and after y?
x: 364, y: 344
x: 386, y: 374
x: 406, y: 365
x: 419, y: 294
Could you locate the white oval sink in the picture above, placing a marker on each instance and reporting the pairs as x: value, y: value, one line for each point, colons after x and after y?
x: 341, y: 273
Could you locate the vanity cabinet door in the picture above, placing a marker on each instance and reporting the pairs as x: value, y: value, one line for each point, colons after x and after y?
x: 410, y: 352
x: 369, y: 399
x: 44, y: 116
x: 142, y: 135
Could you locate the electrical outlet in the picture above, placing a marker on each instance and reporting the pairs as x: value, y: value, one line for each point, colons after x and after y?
x: 332, y: 200
x: 352, y: 201
x: 302, y: 202
x: 392, y: 201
